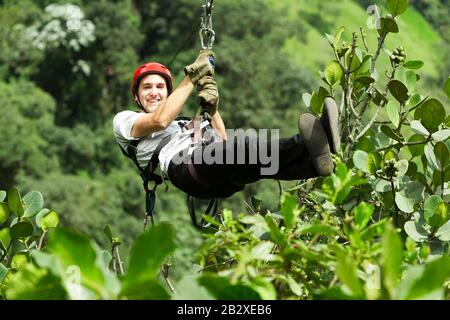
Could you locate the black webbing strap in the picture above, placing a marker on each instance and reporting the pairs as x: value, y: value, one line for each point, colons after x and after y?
x: 212, y: 210
x: 147, y: 174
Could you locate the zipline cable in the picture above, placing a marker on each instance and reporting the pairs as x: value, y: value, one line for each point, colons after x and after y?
x: 169, y: 65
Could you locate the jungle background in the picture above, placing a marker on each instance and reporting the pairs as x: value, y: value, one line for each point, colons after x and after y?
x: 62, y: 83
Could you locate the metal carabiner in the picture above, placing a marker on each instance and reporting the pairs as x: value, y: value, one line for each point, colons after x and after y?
x: 208, y: 6
x: 206, y: 33
x: 209, y: 35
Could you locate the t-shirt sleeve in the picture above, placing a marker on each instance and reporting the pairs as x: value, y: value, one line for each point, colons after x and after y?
x: 123, y: 123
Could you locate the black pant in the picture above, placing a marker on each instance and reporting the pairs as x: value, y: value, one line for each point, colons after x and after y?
x: 221, y: 180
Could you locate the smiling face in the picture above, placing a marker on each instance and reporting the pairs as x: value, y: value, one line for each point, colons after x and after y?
x: 151, y: 92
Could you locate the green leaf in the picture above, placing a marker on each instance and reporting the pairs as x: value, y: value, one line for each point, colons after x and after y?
x: 364, y: 68
x: 19, y: 260
x: 397, y: 7
x: 379, y: 98
x: 275, y: 233
x: 411, y: 80
x: 360, y: 160
x: 107, y: 231
x: 373, y: 162
x: 442, y: 213
x: 15, y: 202
x: 365, y: 145
x: 431, y: 157
x: 387, y: 25
x: 443, y: 232
x: 402, y: 166
x: 322, y: 94
x: 442, y: 154
x: 51, y: 220
x: 414, y: 189
x: 398, y: 90
x: 330, y: 38
x: 106, y: 257
x: 144, y: 263
x: 238, y: 292
x: 431, y: 113
x: 441, y: 135
x: 221, y: 288
x: 316, y: 105
x: 380, y: 185
x: 437, y: 178
x: 446, y: 89
x: 417, y: 149
x: 333, y: 72
x: 76, y: 251
x: 400, y: 74
x: 393, y: 112
x: 263, y: 287
x: 145, y: 289
x: 430, y: 206
x: 418, y: 128
x: 5, y: 239
x: 425, y: 281
x: 415, y: 99
x: 316, y: 229
x: 3, y: 272
x: 405, y: 204
x: 390, y: 133
x: 337, y: 36
x: 363, y: 212
x: 295, y: 287
x: 21, y: 229
x: 412, y: 169
x: 365, y: 80
x: 34, y: 203
x: 391, y: 258
x: 415, y: 231
x: 2, y: 195
x: 289, y: 209
x: 413, y: 64
x: 188, y: 288
x: 47, y: 261
x: 346, y: 272
x: 389, y: 155
x: 262, y: 250
x: 4, y: 212
x: 32, y: 283
x: 213, y: 282
x: 306, y: 97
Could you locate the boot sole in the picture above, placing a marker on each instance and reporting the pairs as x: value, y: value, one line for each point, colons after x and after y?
x: 330, y: 122
x: 315, y: 140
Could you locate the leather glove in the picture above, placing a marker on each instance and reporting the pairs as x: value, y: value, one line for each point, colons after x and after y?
x: 208, y: 93
x: 202, y: 66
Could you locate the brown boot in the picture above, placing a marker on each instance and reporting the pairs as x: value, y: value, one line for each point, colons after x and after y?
x: 330, y: 122
x: 315, y: 140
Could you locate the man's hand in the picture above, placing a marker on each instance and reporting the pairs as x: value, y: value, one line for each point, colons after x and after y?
x: 208, y: 94
x: 203, y: 66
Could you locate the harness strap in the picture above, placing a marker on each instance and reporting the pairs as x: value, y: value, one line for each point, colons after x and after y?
x: 212, y: 210
x: 147, y: 175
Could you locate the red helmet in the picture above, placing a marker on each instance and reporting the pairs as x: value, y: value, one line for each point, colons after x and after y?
x: 149, y: 68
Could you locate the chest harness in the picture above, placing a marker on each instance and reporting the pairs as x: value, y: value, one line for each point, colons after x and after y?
x: 148, y: 175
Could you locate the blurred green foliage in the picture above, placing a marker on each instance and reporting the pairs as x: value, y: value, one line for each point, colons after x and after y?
x: 57, y: 100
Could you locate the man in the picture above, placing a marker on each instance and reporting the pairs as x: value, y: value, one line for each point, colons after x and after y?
x: 186, y: 163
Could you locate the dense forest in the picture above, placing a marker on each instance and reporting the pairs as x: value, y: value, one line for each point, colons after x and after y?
x: 66, y: 70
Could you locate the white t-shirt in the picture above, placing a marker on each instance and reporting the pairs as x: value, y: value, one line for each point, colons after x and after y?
x: 123, y: 123
x: 181, y: 139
